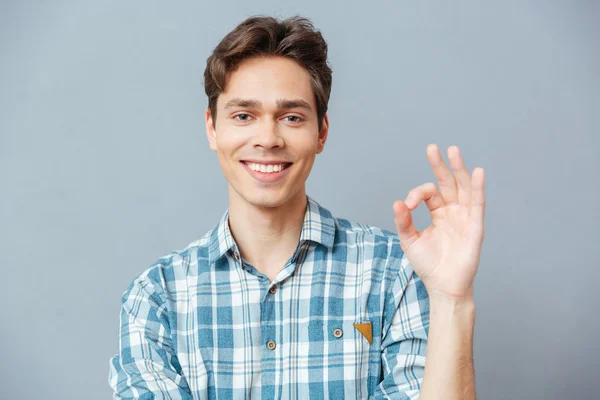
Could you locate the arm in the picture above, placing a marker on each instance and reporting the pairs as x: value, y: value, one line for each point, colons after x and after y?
x: 404, y: 340
x: 449, y: 372
x: 446, y: 257
x: 434, y: 326
x: 146, y: 366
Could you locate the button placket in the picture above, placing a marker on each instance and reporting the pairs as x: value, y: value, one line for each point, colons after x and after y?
x: 269, y: 333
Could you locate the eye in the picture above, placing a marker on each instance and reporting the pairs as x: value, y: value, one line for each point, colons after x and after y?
x: 294, y: 119
x: 242, y: 117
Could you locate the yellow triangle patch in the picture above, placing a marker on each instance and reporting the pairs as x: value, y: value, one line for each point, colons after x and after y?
x: 366, y: 329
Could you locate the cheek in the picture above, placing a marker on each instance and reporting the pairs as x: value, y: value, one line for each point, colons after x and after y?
x: 304, y: 142
x: 229, y: 143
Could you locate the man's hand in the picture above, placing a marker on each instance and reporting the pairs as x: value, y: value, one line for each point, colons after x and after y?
x: 446, y: 254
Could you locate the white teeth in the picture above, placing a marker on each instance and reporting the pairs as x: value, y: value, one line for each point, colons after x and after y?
x: 265, y: 168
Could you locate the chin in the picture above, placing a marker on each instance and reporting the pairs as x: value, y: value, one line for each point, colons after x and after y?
x: 265, y: 200
x: 266, y: 197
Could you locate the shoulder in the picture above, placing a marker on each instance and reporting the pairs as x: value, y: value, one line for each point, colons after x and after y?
x: 381, y: 246
x: 168, y: 274
x: 386, y: 242
x: 353, y: 227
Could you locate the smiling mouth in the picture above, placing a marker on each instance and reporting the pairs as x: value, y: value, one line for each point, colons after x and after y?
x: 267, y: 168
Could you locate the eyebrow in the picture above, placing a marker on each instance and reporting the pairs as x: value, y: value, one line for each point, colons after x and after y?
x: 281, y: 103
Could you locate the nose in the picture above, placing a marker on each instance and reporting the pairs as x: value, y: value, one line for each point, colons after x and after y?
x: 267, y: 136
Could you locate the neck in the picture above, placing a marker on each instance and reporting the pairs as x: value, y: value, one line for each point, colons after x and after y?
x: 266, y: 236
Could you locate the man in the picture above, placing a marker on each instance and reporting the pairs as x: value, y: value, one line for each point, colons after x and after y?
x: 281, y: 299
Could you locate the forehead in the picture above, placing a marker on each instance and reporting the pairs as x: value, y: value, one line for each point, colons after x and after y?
x: 268, y: 79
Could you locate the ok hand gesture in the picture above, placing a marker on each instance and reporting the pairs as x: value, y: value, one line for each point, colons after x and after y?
x: 446, y: 254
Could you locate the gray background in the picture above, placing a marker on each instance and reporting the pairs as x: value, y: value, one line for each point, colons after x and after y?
x: 105, y: 166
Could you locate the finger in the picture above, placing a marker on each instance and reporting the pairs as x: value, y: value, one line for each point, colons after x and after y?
x: 427, y: 192
x: 478, y: 195
x: 443, y: 174
x: 463, y: 180
x: 404, y: 224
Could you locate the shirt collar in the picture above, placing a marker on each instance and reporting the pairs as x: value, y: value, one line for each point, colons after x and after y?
x: 318, y: 227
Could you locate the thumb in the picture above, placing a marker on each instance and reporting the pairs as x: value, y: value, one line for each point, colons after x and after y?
x: 404, y: 224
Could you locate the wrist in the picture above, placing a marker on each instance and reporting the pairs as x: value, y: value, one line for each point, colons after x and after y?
x: 450, y: 303
x: 457, y: 298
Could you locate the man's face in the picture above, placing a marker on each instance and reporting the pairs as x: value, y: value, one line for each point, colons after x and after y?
x: 267, y: 135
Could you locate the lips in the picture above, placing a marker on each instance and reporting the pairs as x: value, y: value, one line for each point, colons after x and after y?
x: 285, y: 163
x: 267, y: 177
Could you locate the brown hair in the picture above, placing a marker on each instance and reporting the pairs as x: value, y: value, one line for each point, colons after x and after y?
x: 260, y: 36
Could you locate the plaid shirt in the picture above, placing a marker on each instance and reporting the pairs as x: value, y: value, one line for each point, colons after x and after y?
x: 345, y: 318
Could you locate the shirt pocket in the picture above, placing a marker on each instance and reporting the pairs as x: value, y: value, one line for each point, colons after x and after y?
x: 345, y: 356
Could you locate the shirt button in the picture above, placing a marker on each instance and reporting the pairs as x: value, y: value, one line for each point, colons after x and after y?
x: 338, y: 333
x: 271, y: 345
x: 236, y: 256
x: 273, y: 289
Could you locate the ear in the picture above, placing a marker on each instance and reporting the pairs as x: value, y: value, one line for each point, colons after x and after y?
x: 211, y: 133
x: 323, y: 134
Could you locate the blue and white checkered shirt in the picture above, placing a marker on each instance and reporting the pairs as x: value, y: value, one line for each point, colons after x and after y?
x: 345, y: 318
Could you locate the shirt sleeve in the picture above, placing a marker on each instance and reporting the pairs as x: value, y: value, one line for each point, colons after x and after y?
x: 146, y: 366
x: 404, y: 333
